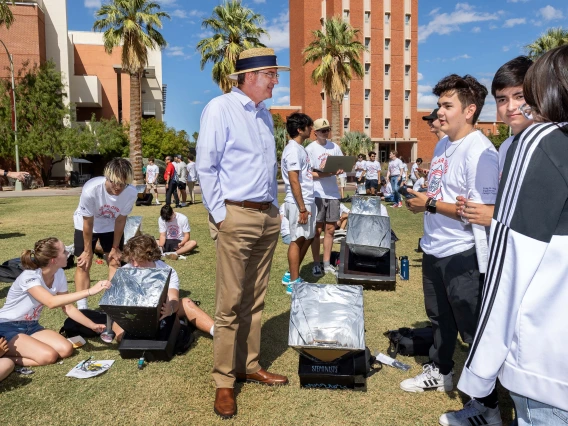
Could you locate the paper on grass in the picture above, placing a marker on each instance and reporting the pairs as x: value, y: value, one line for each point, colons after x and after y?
x: 86, y: 370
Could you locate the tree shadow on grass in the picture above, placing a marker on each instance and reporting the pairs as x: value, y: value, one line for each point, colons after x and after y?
x: 11, y: 235
x: 306, y: 274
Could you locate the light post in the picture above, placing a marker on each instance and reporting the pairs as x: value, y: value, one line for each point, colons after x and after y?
x: 18, y: 186
x: 395, y: 141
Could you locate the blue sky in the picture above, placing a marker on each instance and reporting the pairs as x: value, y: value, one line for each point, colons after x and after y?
x: 474, y: 37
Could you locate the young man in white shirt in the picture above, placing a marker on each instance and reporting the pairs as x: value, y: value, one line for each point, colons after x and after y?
x: 415, y: 169
x: 181, y: 168
x: 360, y: 173
x: 372, y: 174
x: 175, y: 238
x: 152, y: 171
x: 464, y: 162
x: 191, y: 177
x: 434, y: 123
x: 299, y: 183
x: 386, y: 190
x: 326, y: 195
x: 394, y: 176
x: 105, y: 203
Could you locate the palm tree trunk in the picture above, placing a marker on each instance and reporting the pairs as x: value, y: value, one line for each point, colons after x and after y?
x: 135, y: 128
x: 336, y: 121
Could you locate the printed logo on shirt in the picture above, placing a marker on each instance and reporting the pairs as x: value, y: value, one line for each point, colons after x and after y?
x: 174, y: 233
x: 29, y: 280
x: 437, y: 170
x: 109, y: 212
x: 309, y: 174
x: 35, y: 314
x: 323, y: 159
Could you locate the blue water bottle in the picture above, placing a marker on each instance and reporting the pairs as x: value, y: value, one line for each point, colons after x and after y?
x: 404, y: 268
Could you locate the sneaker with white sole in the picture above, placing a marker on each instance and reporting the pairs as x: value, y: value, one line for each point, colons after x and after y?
x: 286, y: 278
x: 472, y: 413
x: 171, y: 256
x: 330, y: 270
x: 430, y: 378
x: 316, y: 271
x: 299, y: 280
x: 157, y: 203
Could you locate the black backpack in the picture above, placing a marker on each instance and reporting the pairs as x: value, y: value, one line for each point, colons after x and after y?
x: 410, y: 341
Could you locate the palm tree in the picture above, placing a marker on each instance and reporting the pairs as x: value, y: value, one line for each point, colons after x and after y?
x: 6, y: 16
x: 553, y: 37
x: 236, y: 28
x: 337, y: 50
x: 132, y: 24
x: 354, y: 143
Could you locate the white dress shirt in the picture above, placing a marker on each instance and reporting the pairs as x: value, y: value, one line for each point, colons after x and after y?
x: 236, y: 153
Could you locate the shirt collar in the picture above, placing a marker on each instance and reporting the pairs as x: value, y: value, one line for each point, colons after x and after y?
x: 245, y: 100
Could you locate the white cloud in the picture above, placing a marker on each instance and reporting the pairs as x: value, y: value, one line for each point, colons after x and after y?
x: 178, y: 13
x: 548, y: 13
x: 207, y: 91
x: 515, y: 21
x: 446, y: 23
x: 177, y: 51
x: 476, y: 30
x: 196, y: 102
x: 517, y: 1
x: 167, y: 2
x: 279, y: 32
x: 259, y: 1
x: 489, y: 111
x: 93, y: 4
x: 434, y: 11
x: 420, y: 76
x: 464, y: 56
x: 283, y: 100
x: 506, y: 48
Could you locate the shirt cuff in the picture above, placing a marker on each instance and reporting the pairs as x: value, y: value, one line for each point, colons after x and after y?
x: 219, y: 214
x: 475, y: 386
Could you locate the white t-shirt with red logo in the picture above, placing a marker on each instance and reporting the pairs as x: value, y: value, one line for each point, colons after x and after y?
x: 152, y: 173
x: 175, y: 228
x: 325, y: 187
x: 395, y: 167
x: 468, y: 167
x: 373, y: 169
x: 359, y: 168
x: 96, y: 202
x: 20, y: 305
x: 295, y: 158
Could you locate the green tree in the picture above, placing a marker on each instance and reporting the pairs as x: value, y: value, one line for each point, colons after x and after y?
x: 278, y: 121
x: 281, y: 139
x: 354, y: 143
x: 235, y: 28
x: 160, y: 140
x: 336, y: 50
x: 553, y: 37
x: 498, y: 138
x: 6, y: 15
x: 132, y: 25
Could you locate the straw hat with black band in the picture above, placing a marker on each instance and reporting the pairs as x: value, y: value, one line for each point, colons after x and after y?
x: 256, y: 59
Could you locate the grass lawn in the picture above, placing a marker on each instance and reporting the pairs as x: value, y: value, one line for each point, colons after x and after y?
x: 182, y: 391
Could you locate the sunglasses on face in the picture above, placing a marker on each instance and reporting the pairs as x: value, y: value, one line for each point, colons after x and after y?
x: 324, y: 130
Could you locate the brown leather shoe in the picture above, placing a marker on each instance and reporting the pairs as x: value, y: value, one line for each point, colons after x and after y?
x: 263, y: 377
x: 225, y: 404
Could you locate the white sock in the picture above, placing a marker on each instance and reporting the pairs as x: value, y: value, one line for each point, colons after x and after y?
x: 211, y: 331
x: 82, y: 303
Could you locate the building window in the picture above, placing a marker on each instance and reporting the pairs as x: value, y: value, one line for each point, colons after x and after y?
x: 406, y: 44
x: 406, y: 95
x: 367, y: 94
x: 387, y: 18
x: 387, y: 69
x: 387, y: 43
x: 346, y: 95
x: 407, y: 70
x: 367, y: 68
x: 367, y: 16
x: 387, y: 95
x: 367, y: 42
x: 367, y: 123
x: 346, y: 15
x: 346, y: 124
x: 387, y: 123
x: 322, y: 96
x: 407, y: 123
x: 407, y: 19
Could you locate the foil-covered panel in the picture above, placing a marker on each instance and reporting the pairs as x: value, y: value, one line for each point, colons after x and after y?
x: 140, y: 188
x: 133, y: 227
x: 366, y: 205
x: 368, y: 235
x: 142, y: 287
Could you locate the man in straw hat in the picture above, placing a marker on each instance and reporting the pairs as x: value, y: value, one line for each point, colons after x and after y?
x: 236, y: 164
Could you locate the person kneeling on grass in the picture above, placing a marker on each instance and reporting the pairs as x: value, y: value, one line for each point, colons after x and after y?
x: 42, y: 283
x: 174, y: 233
x: 143, y: 252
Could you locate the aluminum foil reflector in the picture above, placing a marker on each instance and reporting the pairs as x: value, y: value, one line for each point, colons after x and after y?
x: 132, y: 228
x: 368, y: 235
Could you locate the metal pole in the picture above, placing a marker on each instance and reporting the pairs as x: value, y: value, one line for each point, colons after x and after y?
x: 395, y: 141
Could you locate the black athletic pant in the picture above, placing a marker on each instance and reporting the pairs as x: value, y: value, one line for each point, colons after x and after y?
x: 452, y: 296
x: 172, y: 189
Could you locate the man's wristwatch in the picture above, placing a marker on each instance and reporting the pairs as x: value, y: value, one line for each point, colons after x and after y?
x: 6, y: 172
x: 431, y: 205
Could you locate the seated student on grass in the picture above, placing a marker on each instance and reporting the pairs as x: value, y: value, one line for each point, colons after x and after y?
x: 174, y: 233
x: 343, y: 214
x: 386, y: 191
x: 42, y: 283
x: 143, y: 252
x: 420, y: 185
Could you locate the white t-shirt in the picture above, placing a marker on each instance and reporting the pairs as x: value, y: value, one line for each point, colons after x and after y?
x: 295, y: 158
x: 373, y: 169
x: 418, y: 184
x: 20, y: 305
x: 413, y: 171
x: 359, y: 168
x: 152, y: 172
x: 175, y: 228
x: 285, y: 223
x: 343, y: 209
x: 191, y: 172
x: 324, y: 187
x: 468, y: 167
x: 404, y: 171
x: 395, y: 166
x: 503, y: 153
x: 174, y: 278
x: 386, y: 189
x: 182, y: 171
x: 96, y: 202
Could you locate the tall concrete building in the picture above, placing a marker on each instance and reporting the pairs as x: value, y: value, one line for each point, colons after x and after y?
x: 383, y: 104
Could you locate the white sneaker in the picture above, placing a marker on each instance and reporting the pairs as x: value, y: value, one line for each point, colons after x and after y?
x: 430, y: 378
x: 330, y: 270
x: 157, y: 202
x: 316, y: 271
x: 472, y: 413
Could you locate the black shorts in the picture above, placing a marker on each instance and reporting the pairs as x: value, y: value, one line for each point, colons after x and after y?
x: 372, y: 183
x: 106, y: 239
x: 171, y: 245
x: 181, y: 185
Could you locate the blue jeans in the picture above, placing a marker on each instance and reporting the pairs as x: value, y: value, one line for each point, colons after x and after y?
x: 394, y: 180
x: 534, y: 413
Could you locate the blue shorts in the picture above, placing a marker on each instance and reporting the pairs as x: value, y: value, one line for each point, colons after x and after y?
x: 11, y: 329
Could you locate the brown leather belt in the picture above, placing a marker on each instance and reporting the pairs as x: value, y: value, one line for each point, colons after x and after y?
x: 249, y: 204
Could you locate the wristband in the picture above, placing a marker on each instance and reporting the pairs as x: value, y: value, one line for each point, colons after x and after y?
x: 303, y: 211
x: 6, y: 172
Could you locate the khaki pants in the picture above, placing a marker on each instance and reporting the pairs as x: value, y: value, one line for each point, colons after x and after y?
x: 245, y: 246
